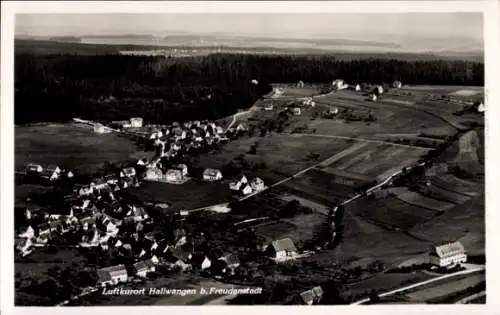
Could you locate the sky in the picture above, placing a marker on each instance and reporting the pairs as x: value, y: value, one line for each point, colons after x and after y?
x: 341, y: 25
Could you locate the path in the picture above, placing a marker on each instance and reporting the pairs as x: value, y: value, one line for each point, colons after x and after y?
x: 470, y: 298
x: 419, y: 284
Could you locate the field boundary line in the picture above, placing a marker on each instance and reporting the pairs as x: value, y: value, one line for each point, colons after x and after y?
x: 471, y: 297
x: 422, y: 283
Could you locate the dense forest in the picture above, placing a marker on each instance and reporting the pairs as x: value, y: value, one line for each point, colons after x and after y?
x: 162, y: 89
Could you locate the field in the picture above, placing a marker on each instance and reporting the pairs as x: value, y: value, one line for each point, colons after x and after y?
x: 190, y: 195
x: 72, y: 147
x: 445, y: 287
x: 275, y: 230
x: 283, y: 155
x: 414, y: 198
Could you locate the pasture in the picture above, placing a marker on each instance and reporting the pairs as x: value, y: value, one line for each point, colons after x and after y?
x: 190, y: 195
x: 70, y: 146
x: 414, y: 198
x: 283, y: 155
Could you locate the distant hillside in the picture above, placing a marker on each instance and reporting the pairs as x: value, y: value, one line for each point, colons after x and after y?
x: 50, y: 47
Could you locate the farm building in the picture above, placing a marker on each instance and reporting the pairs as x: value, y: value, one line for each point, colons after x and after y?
x: 448, y: 254
x: 296, y: 111
x: 247, y: 190
x: 32, y: 168
x: 357, y: 87
x: 100, y: 128
x: 52, y: 172
x: 142, y: 268
x: 282, y: 250
x: 397, y: 84
x: 112, y: 275
x: 257, y: 184
x: 300, y: 84
x: 211, y: 175
x: 136, y: 122
x: 174, y: 175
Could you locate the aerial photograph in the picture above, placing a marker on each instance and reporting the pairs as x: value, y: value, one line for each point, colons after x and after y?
x: 249, y: 159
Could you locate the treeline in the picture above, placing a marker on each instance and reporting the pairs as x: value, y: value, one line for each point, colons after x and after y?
x: 162, y: 89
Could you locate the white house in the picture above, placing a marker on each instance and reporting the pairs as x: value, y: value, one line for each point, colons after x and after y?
x: 357, y: 87
x: 296, y: 111
x: 153, y: 173
x: 379, y: 90
x: 174, y: 175
x: 206, y: 263
x: 128, y: 172
x: 282, y: 250
x: 136, y: 122
x: 112, y: 275
x: 268, y: 106
x: 254, y: 82
x: 257, y: 184
x: 142, y: 268
x: 373, y: 97
x: 247, y: 190
x: 333, y: 111
x: 211, y: 174
x: 300, y: 84
x: 448, y: 254
x: 480, y: 107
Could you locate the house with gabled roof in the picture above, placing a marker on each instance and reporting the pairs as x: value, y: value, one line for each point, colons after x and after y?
x: 448, y: 254
x: 142, y: 268
x: 26, y: 232
x: 51, y: 172
x: 112, y: 275
x: 33, y: 168
x: 282, y: 250
x: 212, y: 175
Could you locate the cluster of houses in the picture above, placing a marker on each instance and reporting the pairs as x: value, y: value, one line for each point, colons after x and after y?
x: 243, y: 186
x: 50, y: 173
x: 177, y: 174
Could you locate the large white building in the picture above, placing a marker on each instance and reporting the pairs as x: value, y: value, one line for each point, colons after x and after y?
x: 136, y: 122
x: 448, y: 254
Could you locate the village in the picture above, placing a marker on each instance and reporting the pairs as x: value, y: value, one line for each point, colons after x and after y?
x: 94, y: 214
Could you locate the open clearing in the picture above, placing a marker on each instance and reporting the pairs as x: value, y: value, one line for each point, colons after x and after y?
x: 73, y: 147
x: 414, y: 198
x: 465, y: 92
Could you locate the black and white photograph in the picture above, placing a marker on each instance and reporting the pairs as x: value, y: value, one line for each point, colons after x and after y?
x: 248, y: 158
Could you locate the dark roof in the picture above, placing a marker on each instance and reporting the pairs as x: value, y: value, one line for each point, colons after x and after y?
x: 144, y: 264
x: 180, y: 254
x: 231, y: 259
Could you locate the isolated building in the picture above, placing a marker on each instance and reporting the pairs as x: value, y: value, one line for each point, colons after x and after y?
x: 268, y: 106
x: 211, y: 175
x: 480, y: 107
x: 379, y: 90
x: 300, y: 84
x: 312, y: 296
x: 357, y: 87
x: 448, y: 254
x: 282, y: 250
x: 112, y: 275
x: 296, y: 111
x: 254, y: 82
x: 339, y: 84
x: 373, y: 97
x: 136, y: 122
